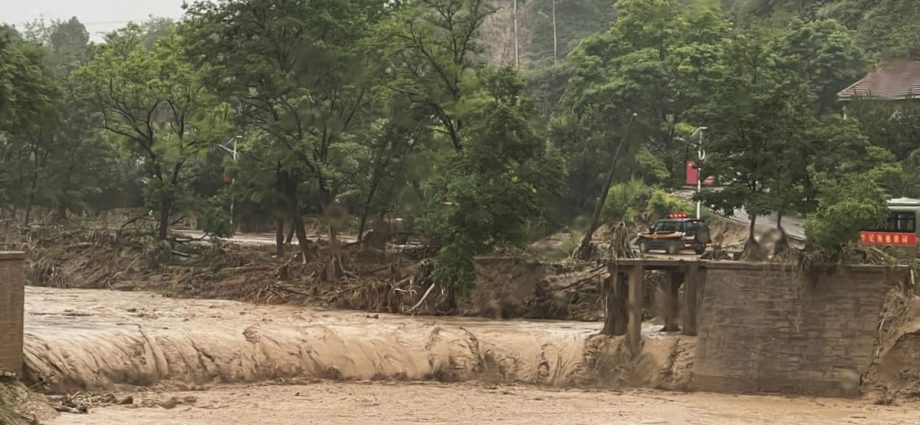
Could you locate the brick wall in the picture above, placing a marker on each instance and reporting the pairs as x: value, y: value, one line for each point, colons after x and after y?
x: 763, y: 329
x: 12, y: 279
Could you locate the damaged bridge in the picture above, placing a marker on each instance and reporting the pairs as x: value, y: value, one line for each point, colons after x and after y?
x: 762, y: 327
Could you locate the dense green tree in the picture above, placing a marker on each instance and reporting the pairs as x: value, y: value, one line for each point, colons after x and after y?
x: 847, y: 205
x: 302, y: 76
x: 487, y: 193
x: 155, y: 102
x: 752, y: 117
x: 489, y: 166
x: 30, y: 116
x: 632, y: 87
x: 433, y: 46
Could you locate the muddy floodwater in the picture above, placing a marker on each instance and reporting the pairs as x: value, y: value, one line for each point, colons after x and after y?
x: 201, y: 362
x: 410, y: 403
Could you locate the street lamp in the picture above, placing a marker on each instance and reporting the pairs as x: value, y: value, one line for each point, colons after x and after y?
x: 233, y: 153
x: 701, y: 154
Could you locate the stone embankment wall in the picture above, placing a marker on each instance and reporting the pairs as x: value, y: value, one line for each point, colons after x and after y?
x: 12, y: 292
x: 765, y: 329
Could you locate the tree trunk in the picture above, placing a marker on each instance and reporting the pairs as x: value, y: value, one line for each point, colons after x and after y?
x: 28, y: 217
x: 751, y: 238
x: 163, y: 226
x: 31, y: 199
x: 751, y: 246
x: 281, y: 203
x: 279, y: 237
x: 302, y: 240
x: 336, y: 267
x: 294, y: 214
x: 584, y: 250
x: 782, y: 245
x: 362, y: 223
x: 61, y: 212
x: 366, y: 208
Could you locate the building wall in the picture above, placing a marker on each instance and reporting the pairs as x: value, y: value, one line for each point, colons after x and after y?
x: 769, y: 330
x: 12, y: 279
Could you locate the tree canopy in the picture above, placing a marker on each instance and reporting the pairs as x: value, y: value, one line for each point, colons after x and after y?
x: 316, y: 118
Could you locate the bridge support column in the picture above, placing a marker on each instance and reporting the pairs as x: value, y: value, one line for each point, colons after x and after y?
x: 695, y: 279
x: 634, y: 330
x: 670, y: 309
x: 616, y: 296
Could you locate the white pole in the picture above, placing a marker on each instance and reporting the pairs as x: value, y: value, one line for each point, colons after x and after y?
x: 699, y: 176
x: 555, y: 38
x: 517, y: 57
x: 232, y: 181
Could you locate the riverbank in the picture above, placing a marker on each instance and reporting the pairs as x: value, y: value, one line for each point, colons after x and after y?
x: 337, y: 403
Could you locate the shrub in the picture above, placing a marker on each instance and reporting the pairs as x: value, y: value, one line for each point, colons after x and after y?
x: 847, y: 205
x: 626, y: 201
x: 661, y: 204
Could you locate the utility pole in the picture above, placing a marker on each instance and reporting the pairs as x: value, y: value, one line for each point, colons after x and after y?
x: 233, y: 153
x: 701, y: 155
x: 517, y: 56
x: 555, y: 37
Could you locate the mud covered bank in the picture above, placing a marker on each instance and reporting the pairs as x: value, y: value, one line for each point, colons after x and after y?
x: 895, y: 371
x: 395, y: 282
x: 101, y: 340
x: 336, y: 403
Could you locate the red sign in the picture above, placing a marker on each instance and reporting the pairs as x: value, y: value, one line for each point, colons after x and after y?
x: 693, y: 175
x: 888, y: 239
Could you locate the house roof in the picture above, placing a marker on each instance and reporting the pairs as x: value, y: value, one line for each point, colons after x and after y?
x: 896, y: 81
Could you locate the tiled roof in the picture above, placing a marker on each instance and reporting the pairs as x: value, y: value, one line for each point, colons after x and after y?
x: 896, y: 81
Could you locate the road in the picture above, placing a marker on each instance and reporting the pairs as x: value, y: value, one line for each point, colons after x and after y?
x: 793, y: 225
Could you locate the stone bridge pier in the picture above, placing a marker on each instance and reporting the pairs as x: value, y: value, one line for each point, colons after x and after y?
x: 12, y: 294
x: 624, y: 297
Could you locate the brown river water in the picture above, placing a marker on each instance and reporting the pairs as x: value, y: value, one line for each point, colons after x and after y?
x: 204, y: 362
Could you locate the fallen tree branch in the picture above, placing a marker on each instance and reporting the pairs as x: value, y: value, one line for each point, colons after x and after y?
x: 424, y: 297
x: 289, y: 289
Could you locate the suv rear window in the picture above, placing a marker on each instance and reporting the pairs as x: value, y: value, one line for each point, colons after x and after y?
x: 669, y: 227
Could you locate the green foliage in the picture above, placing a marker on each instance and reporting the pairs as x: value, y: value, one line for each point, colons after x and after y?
x: 771, y: 117
x: 661, y: 204
x: 368, y: 108
x: 303, y: 78
x: 491, y: 188
x: 214, y: 218
x: 887, y: 29
x: 654, y: 66
x: 847, y: 205
x: 155, y: 104
x: 626, y: 202
x: 652, y: 168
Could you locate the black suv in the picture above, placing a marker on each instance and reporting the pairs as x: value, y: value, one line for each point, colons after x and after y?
x: 676, y: 234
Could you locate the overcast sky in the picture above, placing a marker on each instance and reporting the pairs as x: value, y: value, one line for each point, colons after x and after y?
x: 99, y: 16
